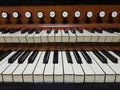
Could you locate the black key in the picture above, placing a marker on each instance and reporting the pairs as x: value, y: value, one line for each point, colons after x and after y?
x: 12, y: 31
x: 100, y: 56
x: 5, y: 31
x: 14, y: 57
x: 98, y: 30
x: 56, y: 31
x: 73, y: 31
x: 117, y: 53
x: 46, y: 57
x: 23, y: 57
x: 23, y: 31
x: 32, y: 57
x: 48, y: 31
x: 1, y: 51
x: 80, y: 31
x: 4, y: 54
x: 37, y: 31
x: 30, y: 31
x: 69, y: 59
x: 55, y: 58
x: 110, y: 56
x: 66, y: 31
x: 86, y: 56
x: 77, y: 56
x: 110, y: 30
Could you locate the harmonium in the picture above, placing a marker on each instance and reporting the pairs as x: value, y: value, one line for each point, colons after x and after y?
x: 64, y: 45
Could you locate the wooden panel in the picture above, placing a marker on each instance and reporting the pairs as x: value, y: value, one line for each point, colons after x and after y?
x: 59, y: 9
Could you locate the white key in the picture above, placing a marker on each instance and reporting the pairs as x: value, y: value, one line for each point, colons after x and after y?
x: 116, y: 67
x: 99, y: 74
x: 7, y: 74
x: 58, y: 36
x: 87, y: 37
x: 37, y: 37
x: 110, y: 74
x: 2, y: 37
x: 4, y: 64
x: 89, y: 73
x: 65, y: 36
x: 49, y: 69
x: 118, y: 36
x: 79, y: 74
x: 17, y: 74
x: 68, y: 70
x: 28, y: 72
x: 44, y: 36
x: 29, y: 38
x: 51, y: 36
x: 58, y: 69
x: 39, y: 70
x: 8, y: 37
x: 72, y: 36
x: 80, y: 36
x: 22, y: 37
x: 15, y: 38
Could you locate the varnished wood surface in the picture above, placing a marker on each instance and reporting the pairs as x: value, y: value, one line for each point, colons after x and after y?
x: 61, y: 46
x: 93, y: 25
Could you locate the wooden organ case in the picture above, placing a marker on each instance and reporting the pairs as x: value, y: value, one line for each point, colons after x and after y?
x: 55, y: 46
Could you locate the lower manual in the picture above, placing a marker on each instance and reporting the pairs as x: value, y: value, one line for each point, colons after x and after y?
x: 76, y: 66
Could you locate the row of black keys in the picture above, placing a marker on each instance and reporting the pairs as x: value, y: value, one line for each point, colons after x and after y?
x: 31, y: 59
x: 56, y: 31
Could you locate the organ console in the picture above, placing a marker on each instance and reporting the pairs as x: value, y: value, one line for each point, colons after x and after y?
x: 60, y: 44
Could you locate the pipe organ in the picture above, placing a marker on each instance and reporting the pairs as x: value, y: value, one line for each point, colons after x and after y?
x: 60, y: 46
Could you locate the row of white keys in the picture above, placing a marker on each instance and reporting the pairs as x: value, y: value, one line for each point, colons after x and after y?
x: 49, y: 69
x: 89, y: 73
x: 110, y: 74
x: 110, y: 37
x: 7, y: 74
x: 58, y: 69
x: 28, y: 72
x: 4, y: 64
x: 68, y: 70
x: 72, y: 36
x: 99, y: 74
x: 58, y: 36
x: 79, y: 73
x: 39, y: 70
x: 115, y: 67
x: 37, y: 37
x: 65, y: 36
x: 17, y: 74
x: 118, y: 64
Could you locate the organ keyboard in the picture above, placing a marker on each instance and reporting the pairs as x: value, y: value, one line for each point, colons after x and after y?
x: 46, y: 44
